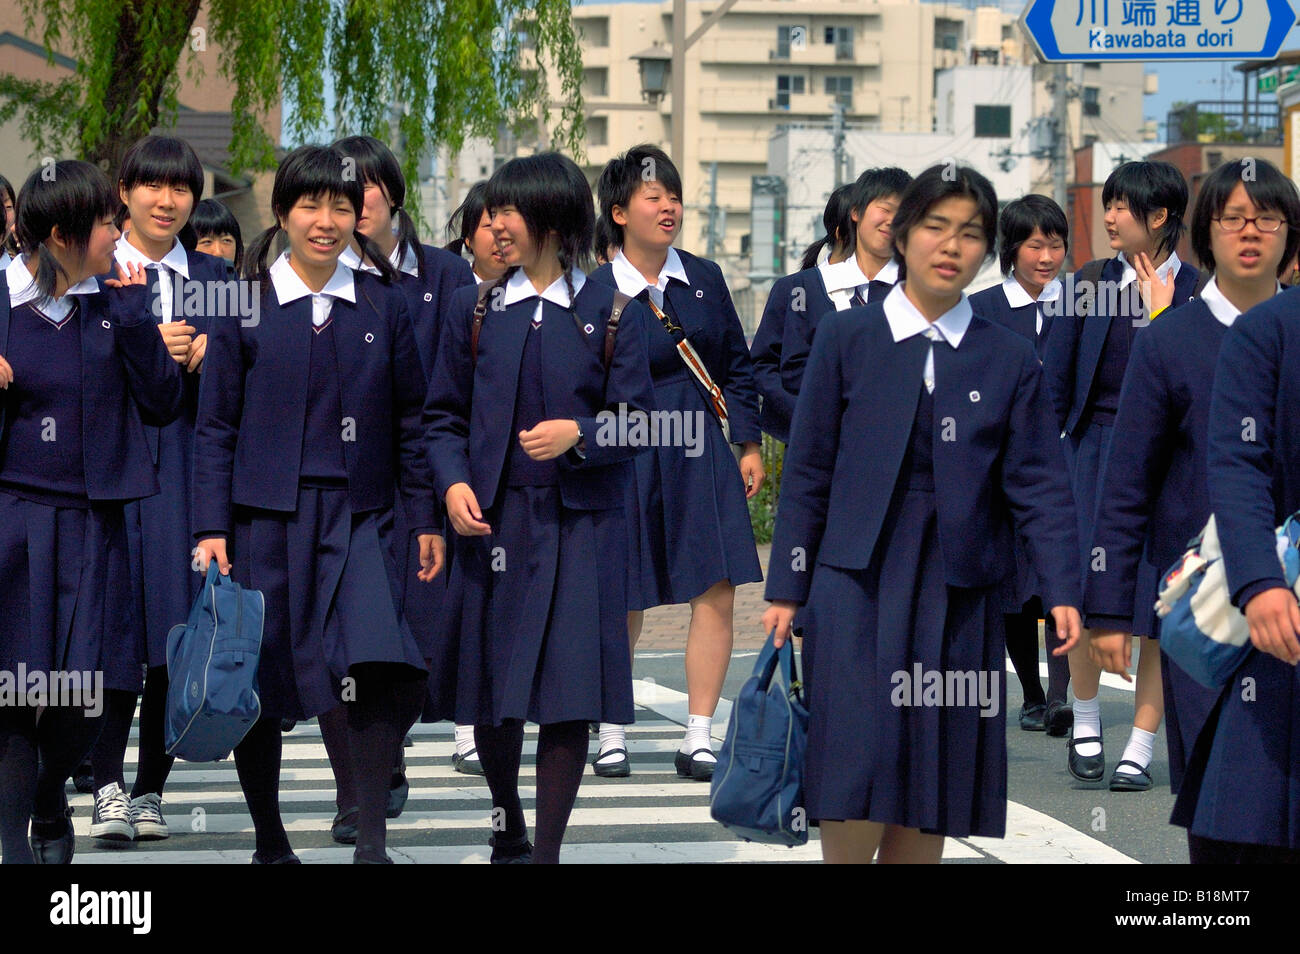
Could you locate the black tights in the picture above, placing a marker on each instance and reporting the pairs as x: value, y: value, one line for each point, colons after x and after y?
x: 363, y: 739
x: 1022, y: 647
x: 109, y: 752
x: 36, y: 759
x: 561, y: 760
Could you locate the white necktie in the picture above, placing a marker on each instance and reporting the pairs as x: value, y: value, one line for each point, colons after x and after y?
x: 933, y: 334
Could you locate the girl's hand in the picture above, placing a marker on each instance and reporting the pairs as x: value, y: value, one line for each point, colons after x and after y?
x: 214, y: 548
x: 751, y: 468
x: 133, y: 273
x: 433, y: 554
x: 549, y: 439
x: 1112, y: 650
x: 1157, y: 293
x: 194, y: 357
x: 1274, y: 618
x: 1068, y: 627
x: 464, y: 512
x: 178, y: 338
x: 779, y: 616
x: 6, y: 373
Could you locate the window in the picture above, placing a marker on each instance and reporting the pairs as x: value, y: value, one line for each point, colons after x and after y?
x: 993, y: 122
x: 945, y: 41
x: 842, y: 39
x: 1091, y: 101
x: 785, y: 86
x: 593, y: 32
x: 841, y: 87
x: 597, y: 131
x: 1213, y: 160
x: 789, y: 38
x: 595, y: 81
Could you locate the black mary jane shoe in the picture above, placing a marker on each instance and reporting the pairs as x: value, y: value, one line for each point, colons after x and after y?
x: 288, y: 858
x: 620, y: 768
x: 83, y: 780
x: 1127, y: 782
x: 1086, y: 768
x: 53, y: 840
x: 518, y: 851
x: 1059, y: 719
x: 344, y: 827
x: 467, y: 764
x: 688, y: 766
x: 1032, y: 717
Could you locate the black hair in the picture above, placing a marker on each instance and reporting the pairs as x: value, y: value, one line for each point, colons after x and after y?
x: 838, y: 225
x: 73, y: 196
x: 1018, y: 221
x: 1146, y: 187
x: 602, y: 238
x: 464, y: 222
x: 552, y: 195
x: 8, y: 243
x: 939, y: 182
x: 624, y: 174
x: 1269, y: 190
x: 312, y: 171
x: 211, y: 218
x: 877, y: 184
x: 376, y: 164
x: 162, y: 160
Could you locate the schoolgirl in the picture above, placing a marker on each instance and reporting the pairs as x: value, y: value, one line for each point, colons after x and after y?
x: 427, y: 276
x: 1087, y: 351
x: 216, y: 232
x: 836, y: 244
x: 534, y: 484
x: 331, y: 368
x: 919, y: 435
x: 690, y: 534
x: 1033, y: 237
x: 8, y: 244
x: 1154, y: 487
x: 160, y: 180
x: 797, y: 302
x: 84, y: 370
x: 1239, y: 797
x: 604, y: 243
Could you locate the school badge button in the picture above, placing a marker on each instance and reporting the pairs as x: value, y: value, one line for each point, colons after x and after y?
x: 369, y: 338
x: 699, y: 293
x: 428, y: 296
x: 106, y: 326
x: 588, y: 328
x: 974, y: 397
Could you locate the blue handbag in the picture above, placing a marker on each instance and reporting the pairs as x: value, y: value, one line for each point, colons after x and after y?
x: 212, y: 659
x: 757, y: 790
x: 1200, y: 630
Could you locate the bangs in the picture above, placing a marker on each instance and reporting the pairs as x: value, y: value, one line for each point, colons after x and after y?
x: 162, y: 160
x: 318, y: 173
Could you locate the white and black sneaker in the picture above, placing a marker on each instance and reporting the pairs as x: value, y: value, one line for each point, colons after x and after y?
x: 111, y: 820
x: 146, y: 815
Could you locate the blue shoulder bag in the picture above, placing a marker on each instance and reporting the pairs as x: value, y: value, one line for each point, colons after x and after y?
x: 212, y: 698
x: 757, y: 790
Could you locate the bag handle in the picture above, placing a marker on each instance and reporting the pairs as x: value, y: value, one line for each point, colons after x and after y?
x: 771, y: 658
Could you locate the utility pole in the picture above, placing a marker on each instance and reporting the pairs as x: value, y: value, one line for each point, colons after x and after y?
x: 837, y: 135
x: 1061, y: 120
x: 713, y: 211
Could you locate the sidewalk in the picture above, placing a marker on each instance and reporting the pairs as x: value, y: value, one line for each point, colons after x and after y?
x: 665, y: 626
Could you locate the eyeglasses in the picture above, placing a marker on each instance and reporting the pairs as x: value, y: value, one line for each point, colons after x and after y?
x: 1265, y: 223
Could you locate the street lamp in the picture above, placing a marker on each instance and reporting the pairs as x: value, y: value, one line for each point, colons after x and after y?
x: 653, y: 65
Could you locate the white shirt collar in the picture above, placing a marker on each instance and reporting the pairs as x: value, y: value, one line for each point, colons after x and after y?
x: 905, y: 321
x: 409, y: 263
x: 888, y: 273
x: 631, y: 282
x: 4, y: 260
x: 22, y: 289
x: 844, y: 276
x: 519, y: 288
x: 1017, y: 297
x: 1222, y: 309
x: 289, y: 287
x: 1168, y: 268
x: 175, y: 259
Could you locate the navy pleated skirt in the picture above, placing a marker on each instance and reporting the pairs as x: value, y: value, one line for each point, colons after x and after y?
x: 65, y: 592
x: 333, y: 597
x: 688, y: 520
x: 421, y: 603
x: 540, y: 611
x: 1188, y: 709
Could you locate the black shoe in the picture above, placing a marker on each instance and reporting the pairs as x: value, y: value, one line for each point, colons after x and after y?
x: 467, y: 764
x: 407, y: 741
x: 368, y: 855
x: 287, y: 725
x: 516, y: 852
x: 618, y: 769
x: 288, y: 858
x: 83, y: 779
x: 688, y: 766
x: 1125, y: 782
x: 1031, y: 717
x: 1086, y: 768
x: 1059, y: 718
x: 53, y: 840
x: 344, y: 828
x: 398, y: 790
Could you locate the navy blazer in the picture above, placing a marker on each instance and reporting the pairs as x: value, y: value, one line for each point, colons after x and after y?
x: 427, y: 298
x: 470, y: 408
x: 1155, y: 496
x: 1075, y: 345
x: 801, y: 291
x: 1254, y: 454
x: 991, y: 303
x: 253, y: 408
x: 853, y: 422
x: 128, y: 381
x: 708, y: 319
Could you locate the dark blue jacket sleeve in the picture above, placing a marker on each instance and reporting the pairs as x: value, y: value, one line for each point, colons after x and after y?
x: 451, y: 390
x: 216, y: 432
x: 152, y: 375
x: 740, y: 391
x: 1060, y: 357
x: 778, y: 403
x: 628, y: 388
x: 409, y: 392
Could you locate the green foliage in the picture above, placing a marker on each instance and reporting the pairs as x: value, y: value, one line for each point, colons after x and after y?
x: 762, y: 507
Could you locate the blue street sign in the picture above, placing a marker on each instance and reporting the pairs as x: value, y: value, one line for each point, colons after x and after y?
x: 1101, y: 30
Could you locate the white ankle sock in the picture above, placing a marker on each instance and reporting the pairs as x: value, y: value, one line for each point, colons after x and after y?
x: 1141, y: 746
x: 464, y: 740
x: 698, y: 730
x: 1087, y: 722
x: 611, y: 737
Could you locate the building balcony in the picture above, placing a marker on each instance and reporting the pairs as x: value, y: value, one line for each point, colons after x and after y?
x: 734, y: 149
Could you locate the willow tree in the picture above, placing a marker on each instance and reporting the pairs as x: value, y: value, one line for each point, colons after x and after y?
x: 415, y: 72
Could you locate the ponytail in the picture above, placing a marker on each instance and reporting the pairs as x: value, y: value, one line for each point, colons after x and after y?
x: 370, y: 252
x: 255, y: 258
x: 813, y: 252
x: 48, y: 271
x: 408, y: 238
